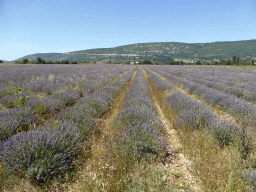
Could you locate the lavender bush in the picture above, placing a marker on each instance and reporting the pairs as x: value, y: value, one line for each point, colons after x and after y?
x: 249, y: 175
x: 222, y: 131
x: 82, y: 118
x: 68, y: 97
x: 137, y: 142
x: 41, y: 155
x: 15, y: 120
x: 48, y: 107
x: 8, y: 101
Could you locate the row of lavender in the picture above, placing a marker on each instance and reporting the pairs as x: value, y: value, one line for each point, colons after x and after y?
x: 36, y: 109
x: 194, y: 115
x: 245, y: 89
x: 238, y: 108
x: 238, y: 82
x: 52, y: 149
x: 227, y: 76
x: 27, y: 74
x: 50, y: 80
x: 141, y: 134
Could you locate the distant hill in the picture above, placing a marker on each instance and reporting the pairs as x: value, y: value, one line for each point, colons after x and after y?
x: 161, y: 51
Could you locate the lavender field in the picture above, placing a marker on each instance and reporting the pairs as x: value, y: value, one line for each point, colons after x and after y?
x: 127, y: 128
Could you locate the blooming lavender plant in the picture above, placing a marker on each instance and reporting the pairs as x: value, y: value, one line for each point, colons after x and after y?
x: 48, y: 107
x: 41, y: 155
x: 68, y: 97
x: 8, y: 101
x: 222, y: 131
x: 139, y: 141
x: 15, y: 120
x: 249, y: 175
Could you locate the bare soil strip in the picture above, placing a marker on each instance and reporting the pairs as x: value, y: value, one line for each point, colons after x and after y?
x: 179, y: 165
x: 96, y: 174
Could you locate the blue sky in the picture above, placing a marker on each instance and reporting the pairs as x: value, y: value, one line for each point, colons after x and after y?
x: 46, y: 26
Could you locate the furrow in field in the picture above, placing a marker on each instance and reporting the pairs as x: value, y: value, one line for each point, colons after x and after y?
x: 180, y: 163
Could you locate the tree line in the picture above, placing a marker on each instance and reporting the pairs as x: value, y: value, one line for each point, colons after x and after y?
x: 41, y: 61
x: 234, y: 61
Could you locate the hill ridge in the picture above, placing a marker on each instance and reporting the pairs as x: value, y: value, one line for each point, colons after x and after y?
x: 157, y: 51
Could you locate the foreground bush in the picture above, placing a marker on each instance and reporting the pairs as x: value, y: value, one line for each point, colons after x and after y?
x: 137, y: 142
x: 41, y: 154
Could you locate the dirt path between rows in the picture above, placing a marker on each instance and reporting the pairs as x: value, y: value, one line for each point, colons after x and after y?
x: 179, y: 165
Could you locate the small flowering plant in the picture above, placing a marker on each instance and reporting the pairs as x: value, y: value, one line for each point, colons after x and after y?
x: 16, y: 97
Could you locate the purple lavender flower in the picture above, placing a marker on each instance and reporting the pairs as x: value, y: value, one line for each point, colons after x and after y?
x: 41, y: 154
x: 15, y: 120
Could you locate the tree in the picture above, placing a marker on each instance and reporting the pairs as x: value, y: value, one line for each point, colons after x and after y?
x: 229, y: 62
x: 156, y: 63
x: 40, y: 61
x: 127, y: 62
x: 238, y: 60
x: 146, y: 61
x: 198, y: 62
x: 65, y: 62
x: 24, y: 61
x: 74, y: 62
x: 174, y: 63
x: 234, y: 59
x: 1, y: 61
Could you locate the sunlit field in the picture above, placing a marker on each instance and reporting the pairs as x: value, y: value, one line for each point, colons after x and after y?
x: 108, y: 127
